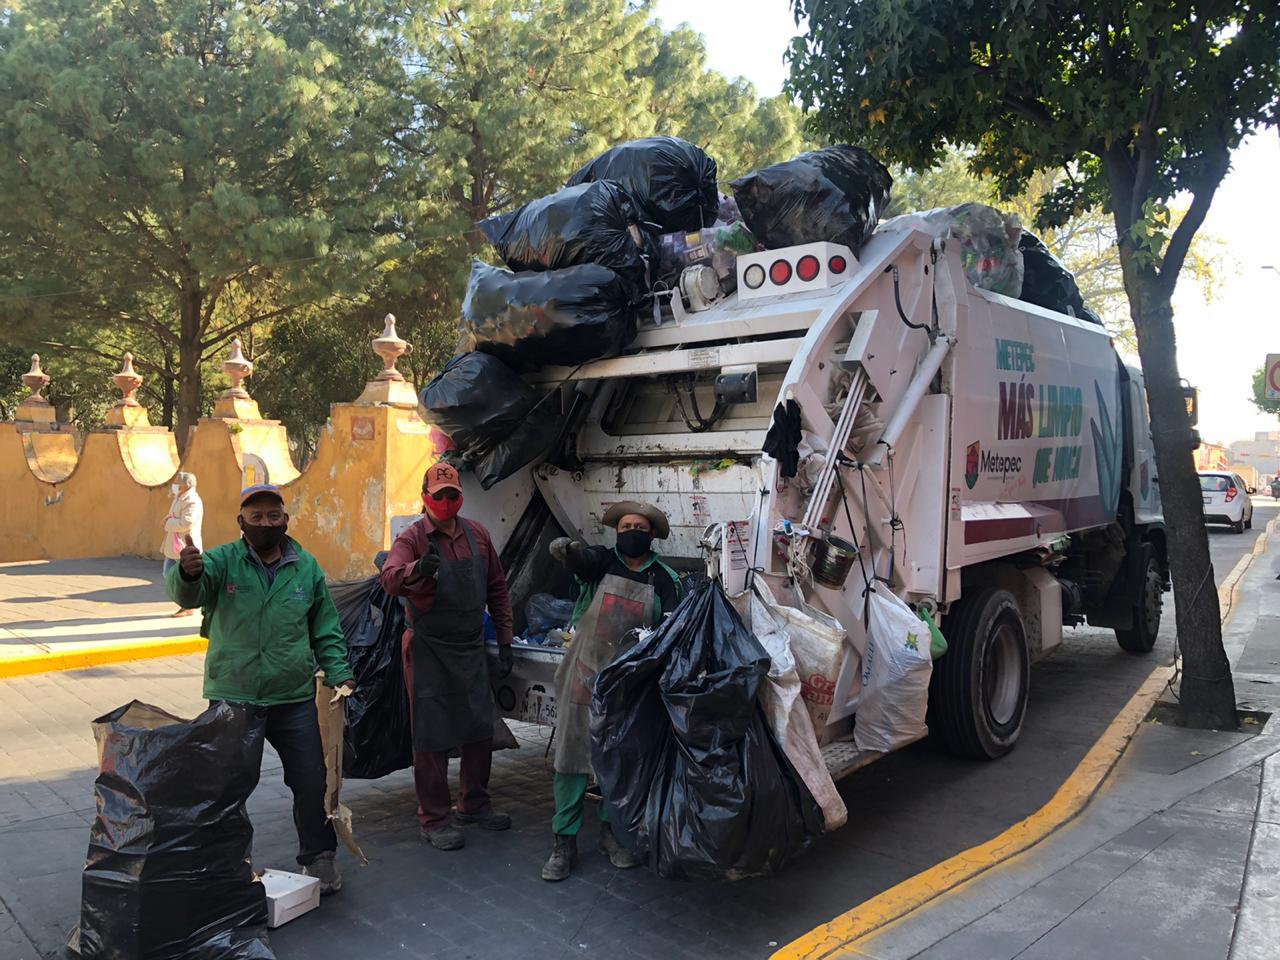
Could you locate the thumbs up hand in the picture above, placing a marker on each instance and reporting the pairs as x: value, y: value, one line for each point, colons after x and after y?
x: 191, y: 560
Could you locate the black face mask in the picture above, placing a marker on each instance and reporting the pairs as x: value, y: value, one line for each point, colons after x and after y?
x: 263, y: 539
x: 634, y: 543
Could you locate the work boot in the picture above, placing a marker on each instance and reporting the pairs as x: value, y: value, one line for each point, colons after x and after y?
x: 326, y: 871
x: 485, y: 820
x: 445, y: 837
x: 563, y: 856
x: 618, y: 855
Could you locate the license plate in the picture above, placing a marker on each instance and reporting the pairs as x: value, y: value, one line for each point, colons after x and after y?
x: 1207, y: 500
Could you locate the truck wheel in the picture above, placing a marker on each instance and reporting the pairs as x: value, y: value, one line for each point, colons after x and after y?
x: 978, y: 692
x: 1147, y: 608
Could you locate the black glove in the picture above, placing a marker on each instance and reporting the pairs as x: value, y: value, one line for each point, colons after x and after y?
x: 429, y: 565
x: 506, y: 660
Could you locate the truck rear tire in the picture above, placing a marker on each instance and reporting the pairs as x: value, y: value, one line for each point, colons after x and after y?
x: 1148, y: 606
x: 978, y: 693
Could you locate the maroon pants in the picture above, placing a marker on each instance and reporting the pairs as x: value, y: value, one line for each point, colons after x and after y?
x: 431, y: 770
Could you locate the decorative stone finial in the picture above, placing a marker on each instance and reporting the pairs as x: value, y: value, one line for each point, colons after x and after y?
x: 235, y: 402
x: 127, y: 382
x: 35, y: 380
x: 127, y: 411
x: 35, y: 411
x: 390, y: 348
x: 389, y: 388
x: 237, y: 368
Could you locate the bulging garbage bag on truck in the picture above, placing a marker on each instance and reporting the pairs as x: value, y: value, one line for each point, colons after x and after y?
x: 378, y: 738
x: 587, y: 223
x: 671, y: 181
x: 693, y: 778
x: 496, y: 420
x: 717, y: 247
x: 560, y: 317
x: 1048, y: 283
x: 988, y: 242
x: 835, y: 194
x: 895, y: 676
x: 168, y: 875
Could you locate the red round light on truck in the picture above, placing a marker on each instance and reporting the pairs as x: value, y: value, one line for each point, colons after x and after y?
x: 807, y: 267
x: 837, y: 264
x: 780, y: 272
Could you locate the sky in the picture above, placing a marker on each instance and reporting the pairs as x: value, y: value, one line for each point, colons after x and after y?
x: 1220, y: 344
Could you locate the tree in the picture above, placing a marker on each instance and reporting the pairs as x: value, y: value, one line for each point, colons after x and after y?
x: 181, y: 170
x: 1260, y: 399
x: 1136, y: 103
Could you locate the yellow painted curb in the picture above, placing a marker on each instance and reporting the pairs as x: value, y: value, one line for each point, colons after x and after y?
x: 96, y: 654
x: 839, y: 935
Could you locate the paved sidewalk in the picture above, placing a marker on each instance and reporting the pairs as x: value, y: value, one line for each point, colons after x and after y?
x: 51, y: 604
x: 1176, y: 858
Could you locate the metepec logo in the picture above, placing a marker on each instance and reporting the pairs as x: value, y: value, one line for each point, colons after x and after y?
x: 972, y: 454
x: 979, y: 462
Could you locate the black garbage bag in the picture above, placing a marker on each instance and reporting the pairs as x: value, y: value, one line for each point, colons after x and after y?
x: 1048, y: 283
x: 586, y: 223
x: 671, y: 181
x: 168, y: 875
x: 378, y: 738
x: 560, y: 317
x: 835, y: 194
x: 495, y: 419
x: 693, y: 778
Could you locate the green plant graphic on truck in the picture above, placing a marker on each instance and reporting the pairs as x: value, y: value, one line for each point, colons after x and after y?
x: 1108, y: 453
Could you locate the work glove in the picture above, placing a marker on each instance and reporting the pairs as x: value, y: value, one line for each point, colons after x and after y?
x: 506, y: 660
x: 559, y: 549
x: 191, y: 560
x: 343, y: 691
x: 429, y: 565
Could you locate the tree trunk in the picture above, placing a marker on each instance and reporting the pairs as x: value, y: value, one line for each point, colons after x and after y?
x: 189, y: 393
x: 167, y: 394
x: 1207, y: 694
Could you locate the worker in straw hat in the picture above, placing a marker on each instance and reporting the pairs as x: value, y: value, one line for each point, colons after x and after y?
x: 620, y: 588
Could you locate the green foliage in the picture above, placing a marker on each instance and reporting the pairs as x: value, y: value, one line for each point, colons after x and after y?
x: 183, y: 170
x: 1137, y: 102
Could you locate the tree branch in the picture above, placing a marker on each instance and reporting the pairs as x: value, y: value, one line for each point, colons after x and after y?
x: 1176, y: 253
x: 139, y: 363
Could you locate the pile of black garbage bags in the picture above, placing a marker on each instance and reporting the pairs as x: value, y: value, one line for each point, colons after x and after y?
x: 581, y: 266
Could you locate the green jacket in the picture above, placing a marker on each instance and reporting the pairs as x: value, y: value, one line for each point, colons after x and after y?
x: 264, y: 643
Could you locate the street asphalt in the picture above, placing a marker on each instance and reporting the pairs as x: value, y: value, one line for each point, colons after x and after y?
x: 907, y: 812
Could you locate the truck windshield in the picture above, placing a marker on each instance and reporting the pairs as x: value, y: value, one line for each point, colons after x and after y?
x: 1214, y: 484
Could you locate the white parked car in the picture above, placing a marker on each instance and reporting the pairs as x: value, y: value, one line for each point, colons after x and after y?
x: 1226, y: 500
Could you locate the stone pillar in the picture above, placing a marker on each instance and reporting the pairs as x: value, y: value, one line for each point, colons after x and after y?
x: 389, y: 388
x: 127, y: 412
x: 35, y: 410
x: 235, y: 402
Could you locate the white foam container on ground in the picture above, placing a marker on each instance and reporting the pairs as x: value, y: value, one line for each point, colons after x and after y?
x: 289, y: 895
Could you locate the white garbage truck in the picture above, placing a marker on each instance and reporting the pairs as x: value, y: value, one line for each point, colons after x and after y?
x: 986, y: 460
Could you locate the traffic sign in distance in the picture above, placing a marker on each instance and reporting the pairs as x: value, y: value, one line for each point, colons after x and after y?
x: 1272, y: 379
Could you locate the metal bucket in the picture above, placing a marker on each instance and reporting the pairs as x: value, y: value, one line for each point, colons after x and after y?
x: 834, y: 561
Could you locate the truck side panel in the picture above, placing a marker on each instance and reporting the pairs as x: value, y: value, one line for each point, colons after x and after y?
x: 1037, y: 429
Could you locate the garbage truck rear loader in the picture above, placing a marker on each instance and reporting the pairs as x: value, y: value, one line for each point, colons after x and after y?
x: 986, y: 460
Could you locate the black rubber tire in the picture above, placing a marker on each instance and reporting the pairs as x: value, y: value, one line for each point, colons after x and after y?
x: 1248, y: 524
x: 1238, y: 526
x: 982, y: 628
x: 1148, y: 607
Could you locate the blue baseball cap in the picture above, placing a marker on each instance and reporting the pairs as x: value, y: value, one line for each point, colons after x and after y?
x: 261, y: 489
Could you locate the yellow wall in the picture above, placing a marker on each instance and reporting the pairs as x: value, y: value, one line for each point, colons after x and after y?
x: 113, y: 498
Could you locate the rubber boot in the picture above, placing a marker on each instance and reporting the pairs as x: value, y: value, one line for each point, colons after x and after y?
x: 563, y: 856
x: 618, y: 855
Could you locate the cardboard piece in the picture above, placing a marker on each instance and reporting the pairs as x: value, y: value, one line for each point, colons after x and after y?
x: 331, y: 710
x: 289, y: 895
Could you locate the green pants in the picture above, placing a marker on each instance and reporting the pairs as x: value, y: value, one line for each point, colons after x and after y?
x: 571, y: 792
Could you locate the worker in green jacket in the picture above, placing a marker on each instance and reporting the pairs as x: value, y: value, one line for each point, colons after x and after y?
x: 270, y: 620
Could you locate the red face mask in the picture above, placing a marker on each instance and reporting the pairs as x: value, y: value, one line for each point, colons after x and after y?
x: 442, y: 509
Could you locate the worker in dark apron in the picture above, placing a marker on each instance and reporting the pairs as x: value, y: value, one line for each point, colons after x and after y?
x: 449, y: 571
x: 620, y: 588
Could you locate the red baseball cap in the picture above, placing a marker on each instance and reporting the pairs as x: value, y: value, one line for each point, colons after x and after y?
x: 442, y: 476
